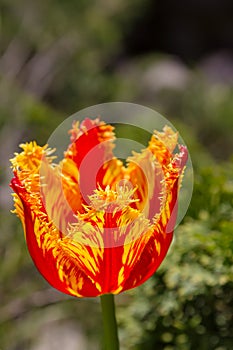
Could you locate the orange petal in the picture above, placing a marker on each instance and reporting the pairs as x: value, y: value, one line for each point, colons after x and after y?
x: 146, y: 175
x: 70, y: 185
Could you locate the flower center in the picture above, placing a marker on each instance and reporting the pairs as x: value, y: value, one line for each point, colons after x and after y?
x: 110, y: 200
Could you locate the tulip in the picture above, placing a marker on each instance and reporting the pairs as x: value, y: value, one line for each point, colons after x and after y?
x: 94, y: 225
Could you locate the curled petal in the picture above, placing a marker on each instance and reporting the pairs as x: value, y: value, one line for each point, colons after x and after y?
x: 155, y: 172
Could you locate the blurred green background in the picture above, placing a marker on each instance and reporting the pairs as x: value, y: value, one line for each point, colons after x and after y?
x: 57, y: 57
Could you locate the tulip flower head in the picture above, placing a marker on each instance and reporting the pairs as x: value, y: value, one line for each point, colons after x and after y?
x: 94, y: 225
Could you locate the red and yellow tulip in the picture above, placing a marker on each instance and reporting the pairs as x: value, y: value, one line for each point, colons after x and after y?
x: 92, y: 224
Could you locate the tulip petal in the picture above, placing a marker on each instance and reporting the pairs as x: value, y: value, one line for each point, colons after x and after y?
x: 91, y: 150
x: 45, y: 216
x: 146, y: 175
x: 51, y: 252
x: 148, y: 171
x: 161, y: 234
x: 154, y: 244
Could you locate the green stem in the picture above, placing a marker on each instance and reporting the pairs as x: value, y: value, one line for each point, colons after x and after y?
x: 111, y: 341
